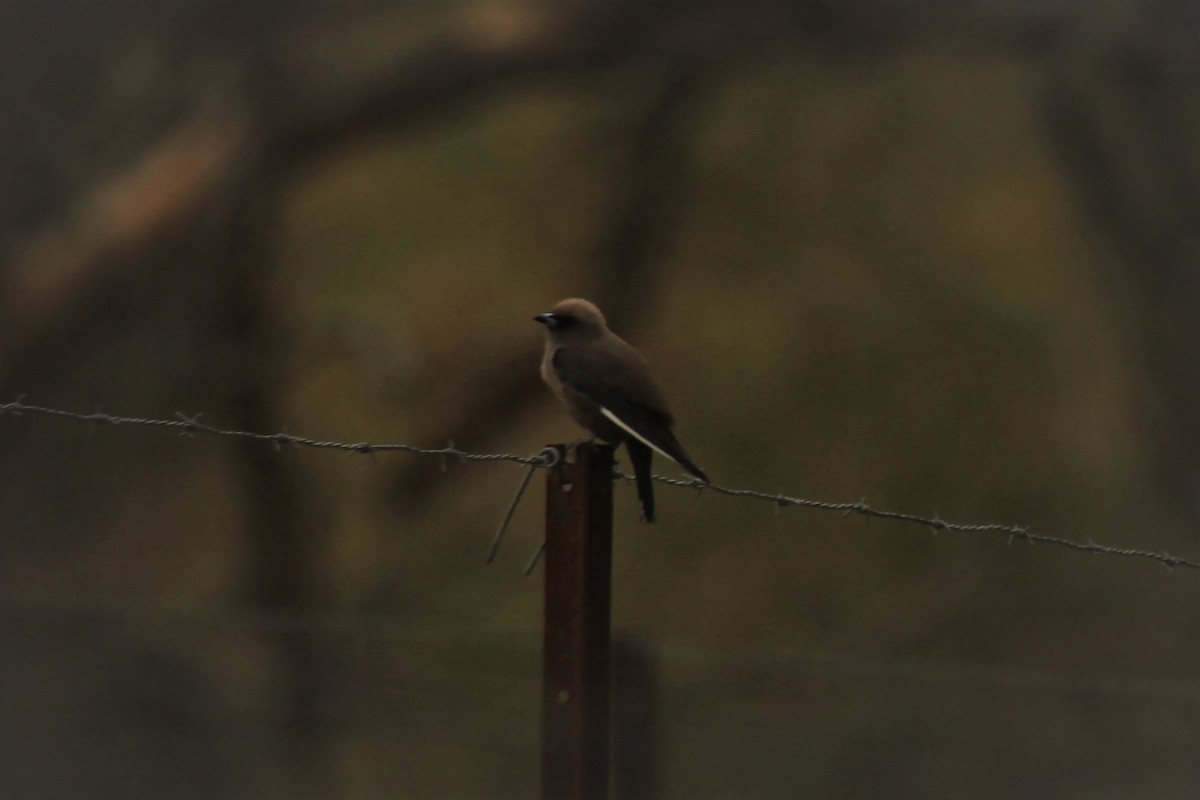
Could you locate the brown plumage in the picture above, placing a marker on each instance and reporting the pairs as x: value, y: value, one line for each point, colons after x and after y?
x: 607, y: 388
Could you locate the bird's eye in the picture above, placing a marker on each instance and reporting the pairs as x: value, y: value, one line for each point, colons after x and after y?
x: 564, y: 322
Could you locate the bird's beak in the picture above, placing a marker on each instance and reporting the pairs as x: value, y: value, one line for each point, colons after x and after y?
x: 547, y: 319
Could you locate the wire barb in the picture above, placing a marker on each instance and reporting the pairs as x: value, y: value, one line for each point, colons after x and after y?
x: 190, y: 424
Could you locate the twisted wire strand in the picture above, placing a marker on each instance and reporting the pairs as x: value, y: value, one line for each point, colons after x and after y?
x: 192, y: 424
x: 549, y: 456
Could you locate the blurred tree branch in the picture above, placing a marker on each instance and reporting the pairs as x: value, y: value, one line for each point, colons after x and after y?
x: 272, y: 123
x: 238, y: 155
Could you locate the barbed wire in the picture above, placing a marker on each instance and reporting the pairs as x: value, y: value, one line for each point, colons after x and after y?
x: 1011, y: 532
x: 549, y: 456
x: 192, y: 424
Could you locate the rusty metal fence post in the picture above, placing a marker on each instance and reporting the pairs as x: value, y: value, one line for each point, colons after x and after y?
x: 575, y: 655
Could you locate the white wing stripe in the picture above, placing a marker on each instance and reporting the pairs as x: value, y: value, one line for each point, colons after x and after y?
x: 635, y: 434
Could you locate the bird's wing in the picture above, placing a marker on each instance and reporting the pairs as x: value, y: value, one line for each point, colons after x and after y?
x: 580, y: 370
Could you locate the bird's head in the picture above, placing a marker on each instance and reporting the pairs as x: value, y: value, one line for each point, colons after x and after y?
x: 573, y: 320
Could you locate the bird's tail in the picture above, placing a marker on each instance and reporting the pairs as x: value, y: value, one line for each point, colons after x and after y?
x: 641, y: 456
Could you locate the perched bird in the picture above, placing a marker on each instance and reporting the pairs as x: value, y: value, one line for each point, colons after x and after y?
x: 607, y: 388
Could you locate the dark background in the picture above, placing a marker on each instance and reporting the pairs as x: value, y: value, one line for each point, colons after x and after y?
x: 942, y: 256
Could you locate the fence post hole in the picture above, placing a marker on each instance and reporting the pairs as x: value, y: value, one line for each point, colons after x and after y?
x: 575, y: 654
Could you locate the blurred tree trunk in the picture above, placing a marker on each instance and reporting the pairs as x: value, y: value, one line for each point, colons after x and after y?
x: 1123, y: 123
